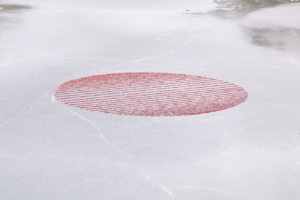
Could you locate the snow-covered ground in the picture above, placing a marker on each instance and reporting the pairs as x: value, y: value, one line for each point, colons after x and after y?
x: 52, y: 151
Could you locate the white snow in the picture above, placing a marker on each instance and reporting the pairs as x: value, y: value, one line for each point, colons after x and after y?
x: 51, y: 151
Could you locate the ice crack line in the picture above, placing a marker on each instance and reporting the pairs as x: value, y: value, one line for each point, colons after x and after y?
x: 84, y: 58
x: 167, y: 191
x: 182, y: 46
x: 99, y: 133
x: 164, y: 188
x: 194, y: 37
x: 133, y: 61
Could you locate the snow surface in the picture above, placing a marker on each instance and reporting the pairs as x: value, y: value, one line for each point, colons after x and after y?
x: 52, y: 151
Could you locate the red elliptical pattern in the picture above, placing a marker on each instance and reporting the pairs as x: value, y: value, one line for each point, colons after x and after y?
x: 150, y: 94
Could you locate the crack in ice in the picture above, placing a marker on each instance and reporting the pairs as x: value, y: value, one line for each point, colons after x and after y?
x: 167, y: 191
x: 133, y: 61
x: 164, y: 188
x: 100, y: 133
x: 185, y: 44
x: 84, y: 58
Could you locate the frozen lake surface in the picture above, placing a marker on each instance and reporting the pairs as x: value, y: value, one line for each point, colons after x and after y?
x: 50, y: 151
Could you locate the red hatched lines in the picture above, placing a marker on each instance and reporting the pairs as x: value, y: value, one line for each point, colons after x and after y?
x: 150, y: 94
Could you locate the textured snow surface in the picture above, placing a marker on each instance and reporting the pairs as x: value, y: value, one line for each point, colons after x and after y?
x: 52, y: 151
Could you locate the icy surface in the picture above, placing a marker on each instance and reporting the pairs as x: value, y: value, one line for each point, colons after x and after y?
x: 52, y: 151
